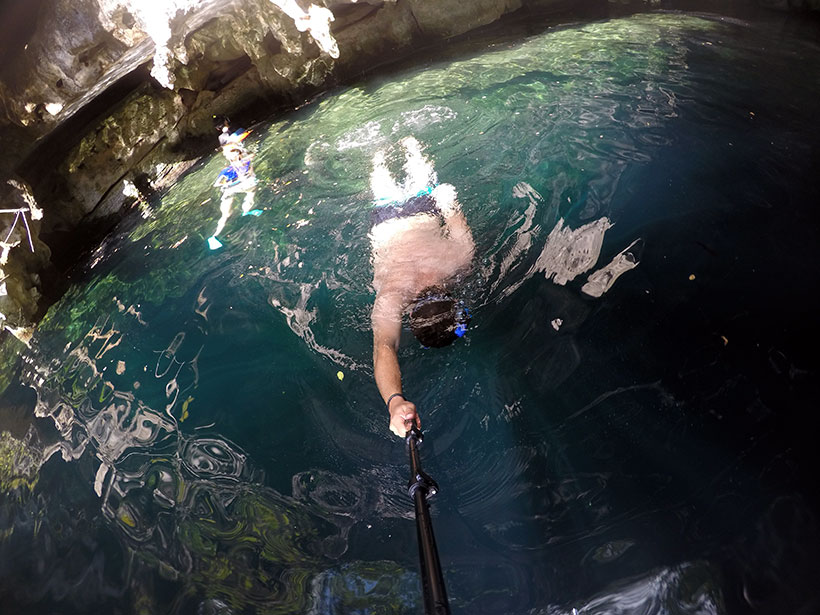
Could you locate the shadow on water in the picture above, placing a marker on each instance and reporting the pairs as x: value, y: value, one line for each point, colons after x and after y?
x: 622, y: 429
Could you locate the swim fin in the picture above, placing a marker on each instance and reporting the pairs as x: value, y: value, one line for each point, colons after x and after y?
x: 252, y: 212
x: 214, y: 243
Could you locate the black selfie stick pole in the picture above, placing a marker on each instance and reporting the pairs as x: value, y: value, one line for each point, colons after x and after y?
x: 421, y: 487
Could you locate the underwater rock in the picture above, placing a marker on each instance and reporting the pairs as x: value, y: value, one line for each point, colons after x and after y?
x: 19, y: 464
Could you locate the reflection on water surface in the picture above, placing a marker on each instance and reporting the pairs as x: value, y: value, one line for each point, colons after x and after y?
x: 178, y: 437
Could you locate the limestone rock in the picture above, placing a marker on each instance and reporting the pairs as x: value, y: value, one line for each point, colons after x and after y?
x: 117, y: 144
x: 69, y: 53
x: 448, y: 18
x: 375, y: 34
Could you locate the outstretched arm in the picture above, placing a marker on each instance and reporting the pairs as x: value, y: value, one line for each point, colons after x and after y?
x: 386, y: 319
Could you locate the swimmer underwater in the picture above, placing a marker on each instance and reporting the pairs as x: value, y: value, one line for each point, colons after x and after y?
x: 421, y: 246
x: 237, y: 177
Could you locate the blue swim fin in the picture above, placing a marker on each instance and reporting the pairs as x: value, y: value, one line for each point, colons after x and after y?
x: 252, y: 212
x: 214, y: 243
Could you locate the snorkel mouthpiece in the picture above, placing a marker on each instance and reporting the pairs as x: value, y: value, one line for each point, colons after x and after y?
x: 462, y: 317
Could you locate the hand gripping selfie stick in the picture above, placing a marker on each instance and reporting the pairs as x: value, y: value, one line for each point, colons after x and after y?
x: 421, y: 487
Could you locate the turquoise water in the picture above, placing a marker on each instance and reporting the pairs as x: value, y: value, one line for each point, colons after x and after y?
x: 208, y: 437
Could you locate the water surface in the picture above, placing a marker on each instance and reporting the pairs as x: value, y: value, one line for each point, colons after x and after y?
x: 208, y: 437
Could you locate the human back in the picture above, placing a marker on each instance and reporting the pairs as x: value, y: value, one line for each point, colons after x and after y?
x: 410, y: 254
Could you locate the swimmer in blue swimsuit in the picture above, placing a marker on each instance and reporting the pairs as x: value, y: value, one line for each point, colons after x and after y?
x: 421, y: 246
x: 237, y: 177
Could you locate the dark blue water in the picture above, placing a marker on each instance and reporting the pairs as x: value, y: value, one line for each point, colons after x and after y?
x: 198, y: 431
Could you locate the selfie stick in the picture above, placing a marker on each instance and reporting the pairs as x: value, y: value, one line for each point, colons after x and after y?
x: 421, y: 487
